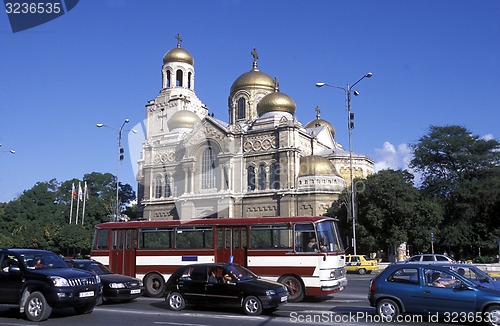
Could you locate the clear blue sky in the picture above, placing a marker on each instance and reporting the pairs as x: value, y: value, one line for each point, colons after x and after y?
x: 434, y: 62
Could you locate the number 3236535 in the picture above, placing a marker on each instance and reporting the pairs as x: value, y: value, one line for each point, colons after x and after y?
x: 33, y: 7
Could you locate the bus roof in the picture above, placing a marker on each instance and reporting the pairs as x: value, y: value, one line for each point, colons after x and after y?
x: 216, y: 221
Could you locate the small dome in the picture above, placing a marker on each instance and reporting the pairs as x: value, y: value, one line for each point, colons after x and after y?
x: 321, y: 122
x: 254, y: 78
x: 178, y: 55
x: 183, y: 119
x: 316, y: 165
x: 276, y: 101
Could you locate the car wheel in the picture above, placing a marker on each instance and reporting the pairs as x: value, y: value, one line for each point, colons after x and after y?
x: 294, y: 287
x: 388, y: 310
x: 492, y: 315
x: 361, y: 271
x: 176, y: 301
x: 252, y: 306
x: 36, y: 307
x: 155, y: 285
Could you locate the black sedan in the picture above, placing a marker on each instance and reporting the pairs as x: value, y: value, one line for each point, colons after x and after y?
x: 226, y: 284
x: 116, y: 287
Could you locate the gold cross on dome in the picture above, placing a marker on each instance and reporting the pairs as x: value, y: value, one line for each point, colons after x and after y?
x: 255, y: 57
x: 179, y: 40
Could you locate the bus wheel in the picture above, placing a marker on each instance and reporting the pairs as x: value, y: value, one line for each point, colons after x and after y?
x: 295, y: 288
x: 154, y: 284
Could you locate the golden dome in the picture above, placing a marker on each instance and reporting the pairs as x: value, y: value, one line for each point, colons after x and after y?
x: 183, y: 119
x: 315, y: 165
x: 321, y: 122
x: 178, y: 55
x: 276, y: 101
x: 254, y: 78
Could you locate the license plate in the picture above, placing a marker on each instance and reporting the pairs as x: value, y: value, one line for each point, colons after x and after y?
x: 135, y: 291
x: 283, y: 299
x: 86, y: 294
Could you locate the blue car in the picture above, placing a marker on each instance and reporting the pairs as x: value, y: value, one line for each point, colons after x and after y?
x: 433, y: 291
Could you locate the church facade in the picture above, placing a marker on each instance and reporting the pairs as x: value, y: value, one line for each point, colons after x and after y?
x: 262, y: 161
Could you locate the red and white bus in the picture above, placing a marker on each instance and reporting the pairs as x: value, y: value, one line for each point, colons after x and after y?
x: 274, y: 248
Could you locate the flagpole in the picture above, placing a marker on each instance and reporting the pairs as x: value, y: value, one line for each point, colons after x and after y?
x: 84, y: 200
x: 71, y: 209
x: 78, y: 201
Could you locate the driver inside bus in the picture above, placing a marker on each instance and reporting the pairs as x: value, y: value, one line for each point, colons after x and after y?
x: 312, y: 246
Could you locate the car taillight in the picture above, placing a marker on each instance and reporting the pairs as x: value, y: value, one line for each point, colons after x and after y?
x: 372, y: 287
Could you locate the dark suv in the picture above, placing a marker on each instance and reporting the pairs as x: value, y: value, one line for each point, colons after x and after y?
x: 36, y: 281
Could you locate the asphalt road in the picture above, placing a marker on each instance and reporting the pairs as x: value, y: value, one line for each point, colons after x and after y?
x: 350, y: 307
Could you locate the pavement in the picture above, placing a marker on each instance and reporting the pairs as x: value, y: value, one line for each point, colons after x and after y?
x: 492, y: 269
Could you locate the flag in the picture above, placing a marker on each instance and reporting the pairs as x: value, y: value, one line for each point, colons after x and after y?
x: 73, y: 191
x: 80, y: 192
x: 87, y: 197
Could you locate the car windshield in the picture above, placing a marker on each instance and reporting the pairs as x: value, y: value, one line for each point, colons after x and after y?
x: 473, y: 274
x: 94, y: 267
x: 42, y: 260
x: 240, y: 273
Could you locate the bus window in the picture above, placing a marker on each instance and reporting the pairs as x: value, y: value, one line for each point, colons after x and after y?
x: 228, y: 238
x: 194, y: 238
x: 304, y: 232
x: 101, y: 239
x: 270, y: 236
x: 156, y: 238
x: 219, y: 238
x: 328, y: 236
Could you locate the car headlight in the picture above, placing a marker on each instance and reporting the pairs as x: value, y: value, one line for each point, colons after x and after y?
x: 117, y: 285
x: 97, y: 279
x: 270, y: 292
x: 59, y: 281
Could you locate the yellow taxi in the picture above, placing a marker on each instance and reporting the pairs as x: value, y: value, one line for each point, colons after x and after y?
x: 360, y: 264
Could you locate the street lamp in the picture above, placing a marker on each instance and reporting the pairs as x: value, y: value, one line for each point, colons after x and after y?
x: 9, y: 151
x: 350, y: 126
x: 120, y: 158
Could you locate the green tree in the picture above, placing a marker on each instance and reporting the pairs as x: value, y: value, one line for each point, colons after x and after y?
x: 463, y: 172
x: 40, y: 217
x: 390, y: 211
x: 448, y: 155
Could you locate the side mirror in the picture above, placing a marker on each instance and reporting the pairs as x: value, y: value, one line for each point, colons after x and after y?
x: 14, y: 269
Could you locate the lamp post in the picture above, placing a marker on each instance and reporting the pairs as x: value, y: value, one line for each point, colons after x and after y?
x: 9, y: 151
x: 350, y: 125
x: 120, y: 158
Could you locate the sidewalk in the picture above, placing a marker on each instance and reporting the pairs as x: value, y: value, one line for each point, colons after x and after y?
x: 492, y: 269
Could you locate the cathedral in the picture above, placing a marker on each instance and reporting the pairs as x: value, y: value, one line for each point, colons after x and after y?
x: 262, y: 161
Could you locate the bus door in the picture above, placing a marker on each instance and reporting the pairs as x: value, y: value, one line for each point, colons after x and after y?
x: 122, y: 255
x: 232, y: 241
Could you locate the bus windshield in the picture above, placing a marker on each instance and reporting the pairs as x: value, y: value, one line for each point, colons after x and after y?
x: 329, y: 237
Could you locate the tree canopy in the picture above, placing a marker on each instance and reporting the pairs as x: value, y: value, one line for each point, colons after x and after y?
x: 458, y: 198
x: 40, y: 216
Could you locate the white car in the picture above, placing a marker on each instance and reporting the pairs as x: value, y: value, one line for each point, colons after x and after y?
x: 430, y: 259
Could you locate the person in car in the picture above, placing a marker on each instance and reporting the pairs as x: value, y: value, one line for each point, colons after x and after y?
x: 212, y: 277
x: 438, y: 281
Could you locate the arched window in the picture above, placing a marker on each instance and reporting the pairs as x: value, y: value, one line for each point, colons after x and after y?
x: 251, y: 178
x: 158, y: 187
x: 168, y: 78
x: 208, y: 169
x: 241, y: 108
x: 275, y: 176
x: 178, y: 78
x: 168, y: 188
x: 189, y: 80
x: 262, y: 177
